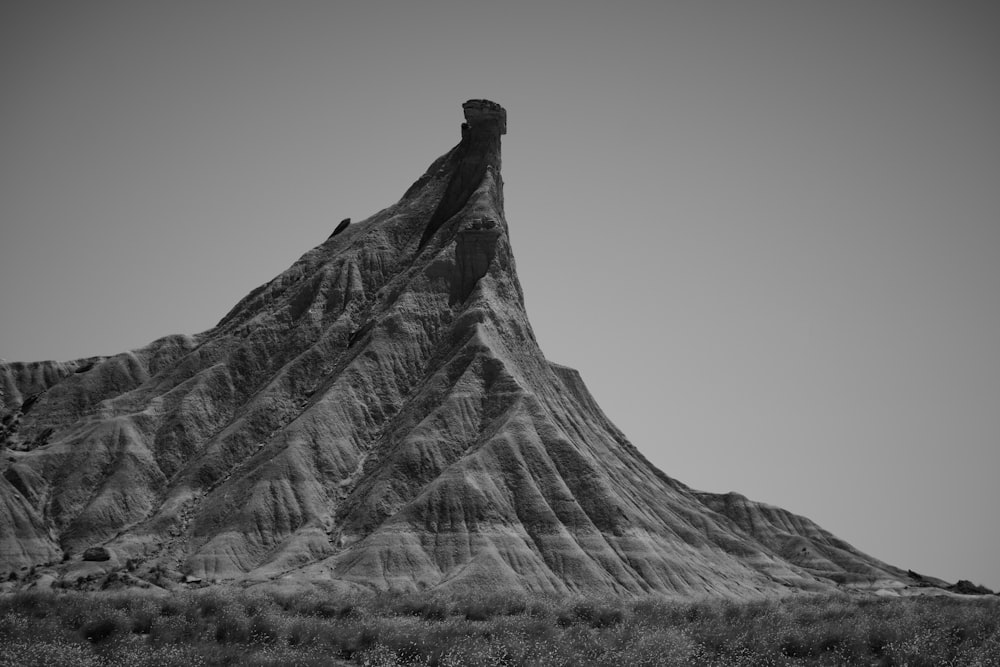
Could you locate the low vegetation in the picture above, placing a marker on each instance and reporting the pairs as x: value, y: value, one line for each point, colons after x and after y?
x: 219, y: 627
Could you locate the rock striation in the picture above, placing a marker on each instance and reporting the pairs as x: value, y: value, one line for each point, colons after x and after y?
x: 379, y: 416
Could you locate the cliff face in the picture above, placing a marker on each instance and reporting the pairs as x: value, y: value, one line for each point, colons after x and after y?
x: 378, y: 415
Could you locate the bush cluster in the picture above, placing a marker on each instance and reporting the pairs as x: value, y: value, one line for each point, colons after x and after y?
x: 231, y: 627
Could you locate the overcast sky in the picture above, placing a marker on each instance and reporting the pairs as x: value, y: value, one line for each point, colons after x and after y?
x: 767, y: 233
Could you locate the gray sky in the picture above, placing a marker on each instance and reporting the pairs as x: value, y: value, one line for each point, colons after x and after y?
x: 767, y: 233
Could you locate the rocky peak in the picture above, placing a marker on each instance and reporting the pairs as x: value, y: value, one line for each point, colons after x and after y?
x: 485, y: 115
x: 478, y: 153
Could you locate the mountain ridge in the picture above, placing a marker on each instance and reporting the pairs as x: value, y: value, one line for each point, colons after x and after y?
x: 378, y: 416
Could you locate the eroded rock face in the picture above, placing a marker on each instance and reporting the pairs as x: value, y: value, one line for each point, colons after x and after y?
x: 380, y: 416
x: 475, y: 248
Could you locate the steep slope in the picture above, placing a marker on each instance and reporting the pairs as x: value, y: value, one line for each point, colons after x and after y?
x: 378, y: 415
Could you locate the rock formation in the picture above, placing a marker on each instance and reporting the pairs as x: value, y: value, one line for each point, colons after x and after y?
x: 379, y: 415
x: 341, y: 227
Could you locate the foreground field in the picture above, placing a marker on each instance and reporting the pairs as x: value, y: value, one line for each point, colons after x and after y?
x: 229, y: 627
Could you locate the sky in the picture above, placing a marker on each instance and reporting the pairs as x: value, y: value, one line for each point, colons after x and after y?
x: 767, y: 233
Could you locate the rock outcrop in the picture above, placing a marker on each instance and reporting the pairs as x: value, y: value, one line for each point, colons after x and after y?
x: 476, y: 156
x: 341, y: 227
x: 380, y: 415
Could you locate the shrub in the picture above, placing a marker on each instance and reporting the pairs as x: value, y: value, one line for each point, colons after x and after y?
x: 795, y: 645
x: 266, y: 628
x: 306, y: 632
x: 102, y: 629
x: 233, y: 626
x: 435, y: 610
x: 475, y: 611
x: 333, y: 609
x: 142, y: 622
x: 598, y: 615
x: 211, y: 603
x: 173, y: 606
x: 359, y: 641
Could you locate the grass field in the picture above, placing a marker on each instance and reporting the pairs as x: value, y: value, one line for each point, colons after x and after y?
x: 223, y: 626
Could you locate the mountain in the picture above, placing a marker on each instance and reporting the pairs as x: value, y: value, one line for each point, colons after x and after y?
x: 378, y: 416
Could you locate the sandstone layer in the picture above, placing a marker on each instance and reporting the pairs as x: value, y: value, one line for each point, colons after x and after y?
x: 379, y: 416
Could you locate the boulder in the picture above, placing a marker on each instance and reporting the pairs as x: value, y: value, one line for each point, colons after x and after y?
x: 97, y: 554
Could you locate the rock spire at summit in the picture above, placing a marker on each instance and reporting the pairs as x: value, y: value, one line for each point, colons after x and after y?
x: 478, y: 153
x: 485, y: 114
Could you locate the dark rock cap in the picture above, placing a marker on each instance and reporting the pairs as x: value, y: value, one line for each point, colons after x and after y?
x: 481, y: 112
